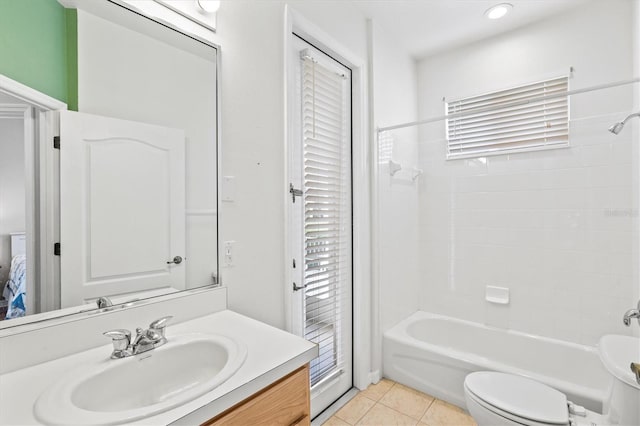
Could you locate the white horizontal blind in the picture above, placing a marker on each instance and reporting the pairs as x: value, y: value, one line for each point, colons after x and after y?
x: 523, y: 118
x: 327, y: 212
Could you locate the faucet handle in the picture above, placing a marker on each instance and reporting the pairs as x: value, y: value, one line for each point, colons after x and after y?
x: 635, y: 369
x: 159, y: 324
x: 121, y: 339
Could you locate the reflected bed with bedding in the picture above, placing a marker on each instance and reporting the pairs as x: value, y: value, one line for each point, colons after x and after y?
x: 14, y: 290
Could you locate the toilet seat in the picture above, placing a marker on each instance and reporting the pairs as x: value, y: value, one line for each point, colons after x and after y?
x: 517, y: 398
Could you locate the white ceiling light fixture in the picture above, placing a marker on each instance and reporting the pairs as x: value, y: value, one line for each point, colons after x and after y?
x: 208, y: 6
x: 498, y: 11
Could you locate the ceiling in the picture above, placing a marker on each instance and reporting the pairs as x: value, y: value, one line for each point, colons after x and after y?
x: 425, y: 27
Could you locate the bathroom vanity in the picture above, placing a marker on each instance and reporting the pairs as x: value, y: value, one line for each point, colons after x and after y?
x: 271, y: 384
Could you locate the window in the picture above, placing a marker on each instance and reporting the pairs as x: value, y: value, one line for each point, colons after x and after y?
x: 525, y: 118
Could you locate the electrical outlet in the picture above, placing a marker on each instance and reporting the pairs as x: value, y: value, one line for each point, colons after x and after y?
x: 228, y: 253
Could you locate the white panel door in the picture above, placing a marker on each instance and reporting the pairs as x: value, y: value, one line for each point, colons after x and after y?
x: 122, y: 207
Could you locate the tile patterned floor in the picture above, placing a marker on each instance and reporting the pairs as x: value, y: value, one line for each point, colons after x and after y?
x: 389, y: 403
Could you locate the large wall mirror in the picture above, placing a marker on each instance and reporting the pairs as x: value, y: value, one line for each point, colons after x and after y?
x: 129, y: 188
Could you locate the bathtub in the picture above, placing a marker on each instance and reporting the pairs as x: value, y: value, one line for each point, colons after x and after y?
x: 434, y: 353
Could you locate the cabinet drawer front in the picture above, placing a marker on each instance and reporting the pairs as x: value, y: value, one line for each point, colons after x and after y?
x: 285, y: 402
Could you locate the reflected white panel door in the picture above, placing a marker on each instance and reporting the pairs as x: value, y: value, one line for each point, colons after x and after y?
x: 122, y: 207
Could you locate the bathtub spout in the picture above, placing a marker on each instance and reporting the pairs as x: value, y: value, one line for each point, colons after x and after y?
x: 631, y: 313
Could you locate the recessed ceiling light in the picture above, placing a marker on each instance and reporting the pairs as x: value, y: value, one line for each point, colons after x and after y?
x: 498, y: 11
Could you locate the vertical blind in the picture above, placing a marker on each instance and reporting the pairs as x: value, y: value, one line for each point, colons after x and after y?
x: 327, y: 212
x: 524, y: 118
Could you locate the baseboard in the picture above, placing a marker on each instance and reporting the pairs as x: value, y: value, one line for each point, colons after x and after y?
x: 375, y: 376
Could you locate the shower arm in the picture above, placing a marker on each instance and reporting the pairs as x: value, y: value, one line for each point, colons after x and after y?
x: 637, y: 114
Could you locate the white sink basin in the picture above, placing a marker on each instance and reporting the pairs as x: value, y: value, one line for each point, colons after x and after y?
x: 115, y: 391
x: 617, y: 353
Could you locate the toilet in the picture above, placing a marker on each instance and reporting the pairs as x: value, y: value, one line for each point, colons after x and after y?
x: 507, y: 399
x: 495, y: 398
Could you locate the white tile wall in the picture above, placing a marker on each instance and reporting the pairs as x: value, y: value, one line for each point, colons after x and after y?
x: 553, y: 226
x: 558, y: 227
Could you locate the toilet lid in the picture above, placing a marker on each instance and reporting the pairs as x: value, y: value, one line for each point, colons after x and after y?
x: 519, y: 396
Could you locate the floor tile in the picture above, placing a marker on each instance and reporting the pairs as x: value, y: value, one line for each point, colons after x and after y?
x: 407, y: 401
x: 381, y: 415
x: 443, y: 414
x: 378, y: 390
x: 335, y: 421
x: 355, y: 409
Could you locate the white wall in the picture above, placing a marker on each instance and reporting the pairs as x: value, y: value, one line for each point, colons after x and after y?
x: 553, y: 226
x: 252, y: 35
x: 395, y: 101
x: 12, y: 189
x: 154, y: 78
x: 252, y: 38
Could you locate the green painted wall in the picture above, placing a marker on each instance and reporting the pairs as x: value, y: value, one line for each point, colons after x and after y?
x: 72, y: 58
x: 36, y: 49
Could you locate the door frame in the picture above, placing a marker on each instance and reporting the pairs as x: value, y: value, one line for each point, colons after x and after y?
x: 361, y: 188
x: 24, y: 113
x: 38, y: 171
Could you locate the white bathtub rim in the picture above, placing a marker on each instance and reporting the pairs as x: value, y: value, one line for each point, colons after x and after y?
x: 401, y: 329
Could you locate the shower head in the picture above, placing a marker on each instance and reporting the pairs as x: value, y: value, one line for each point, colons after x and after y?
x: 617, y: 128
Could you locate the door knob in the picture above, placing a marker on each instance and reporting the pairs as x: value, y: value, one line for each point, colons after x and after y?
x: 177, y: 260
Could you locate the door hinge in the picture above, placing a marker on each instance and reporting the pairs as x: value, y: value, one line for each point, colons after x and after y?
x: 294, y: 264
x: 56, y: 249
x: 56, y: 142
x: 295, y: 192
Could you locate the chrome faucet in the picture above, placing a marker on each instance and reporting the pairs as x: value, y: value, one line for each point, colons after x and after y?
x: 104, y: 302
x: 635, y: 369
x: 144, y: 341
x: 631, y: 313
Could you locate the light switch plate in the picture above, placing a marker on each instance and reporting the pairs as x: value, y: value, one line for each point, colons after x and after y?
x: 228, y: 188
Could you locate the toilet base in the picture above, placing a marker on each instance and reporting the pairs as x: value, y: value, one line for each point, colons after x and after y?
x: 486, y: 417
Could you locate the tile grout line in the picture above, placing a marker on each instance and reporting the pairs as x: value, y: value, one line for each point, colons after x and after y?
x: 433, y: 400
x: 368, y: 409
x: 375, y: 402
x: 379, y: 402
x: 365, y: 413
x: 399, y: 412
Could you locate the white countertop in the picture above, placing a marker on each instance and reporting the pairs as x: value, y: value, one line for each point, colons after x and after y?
x: 272, y: 353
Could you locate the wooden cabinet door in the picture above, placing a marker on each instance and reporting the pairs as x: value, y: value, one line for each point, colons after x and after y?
x: 285, y: 402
